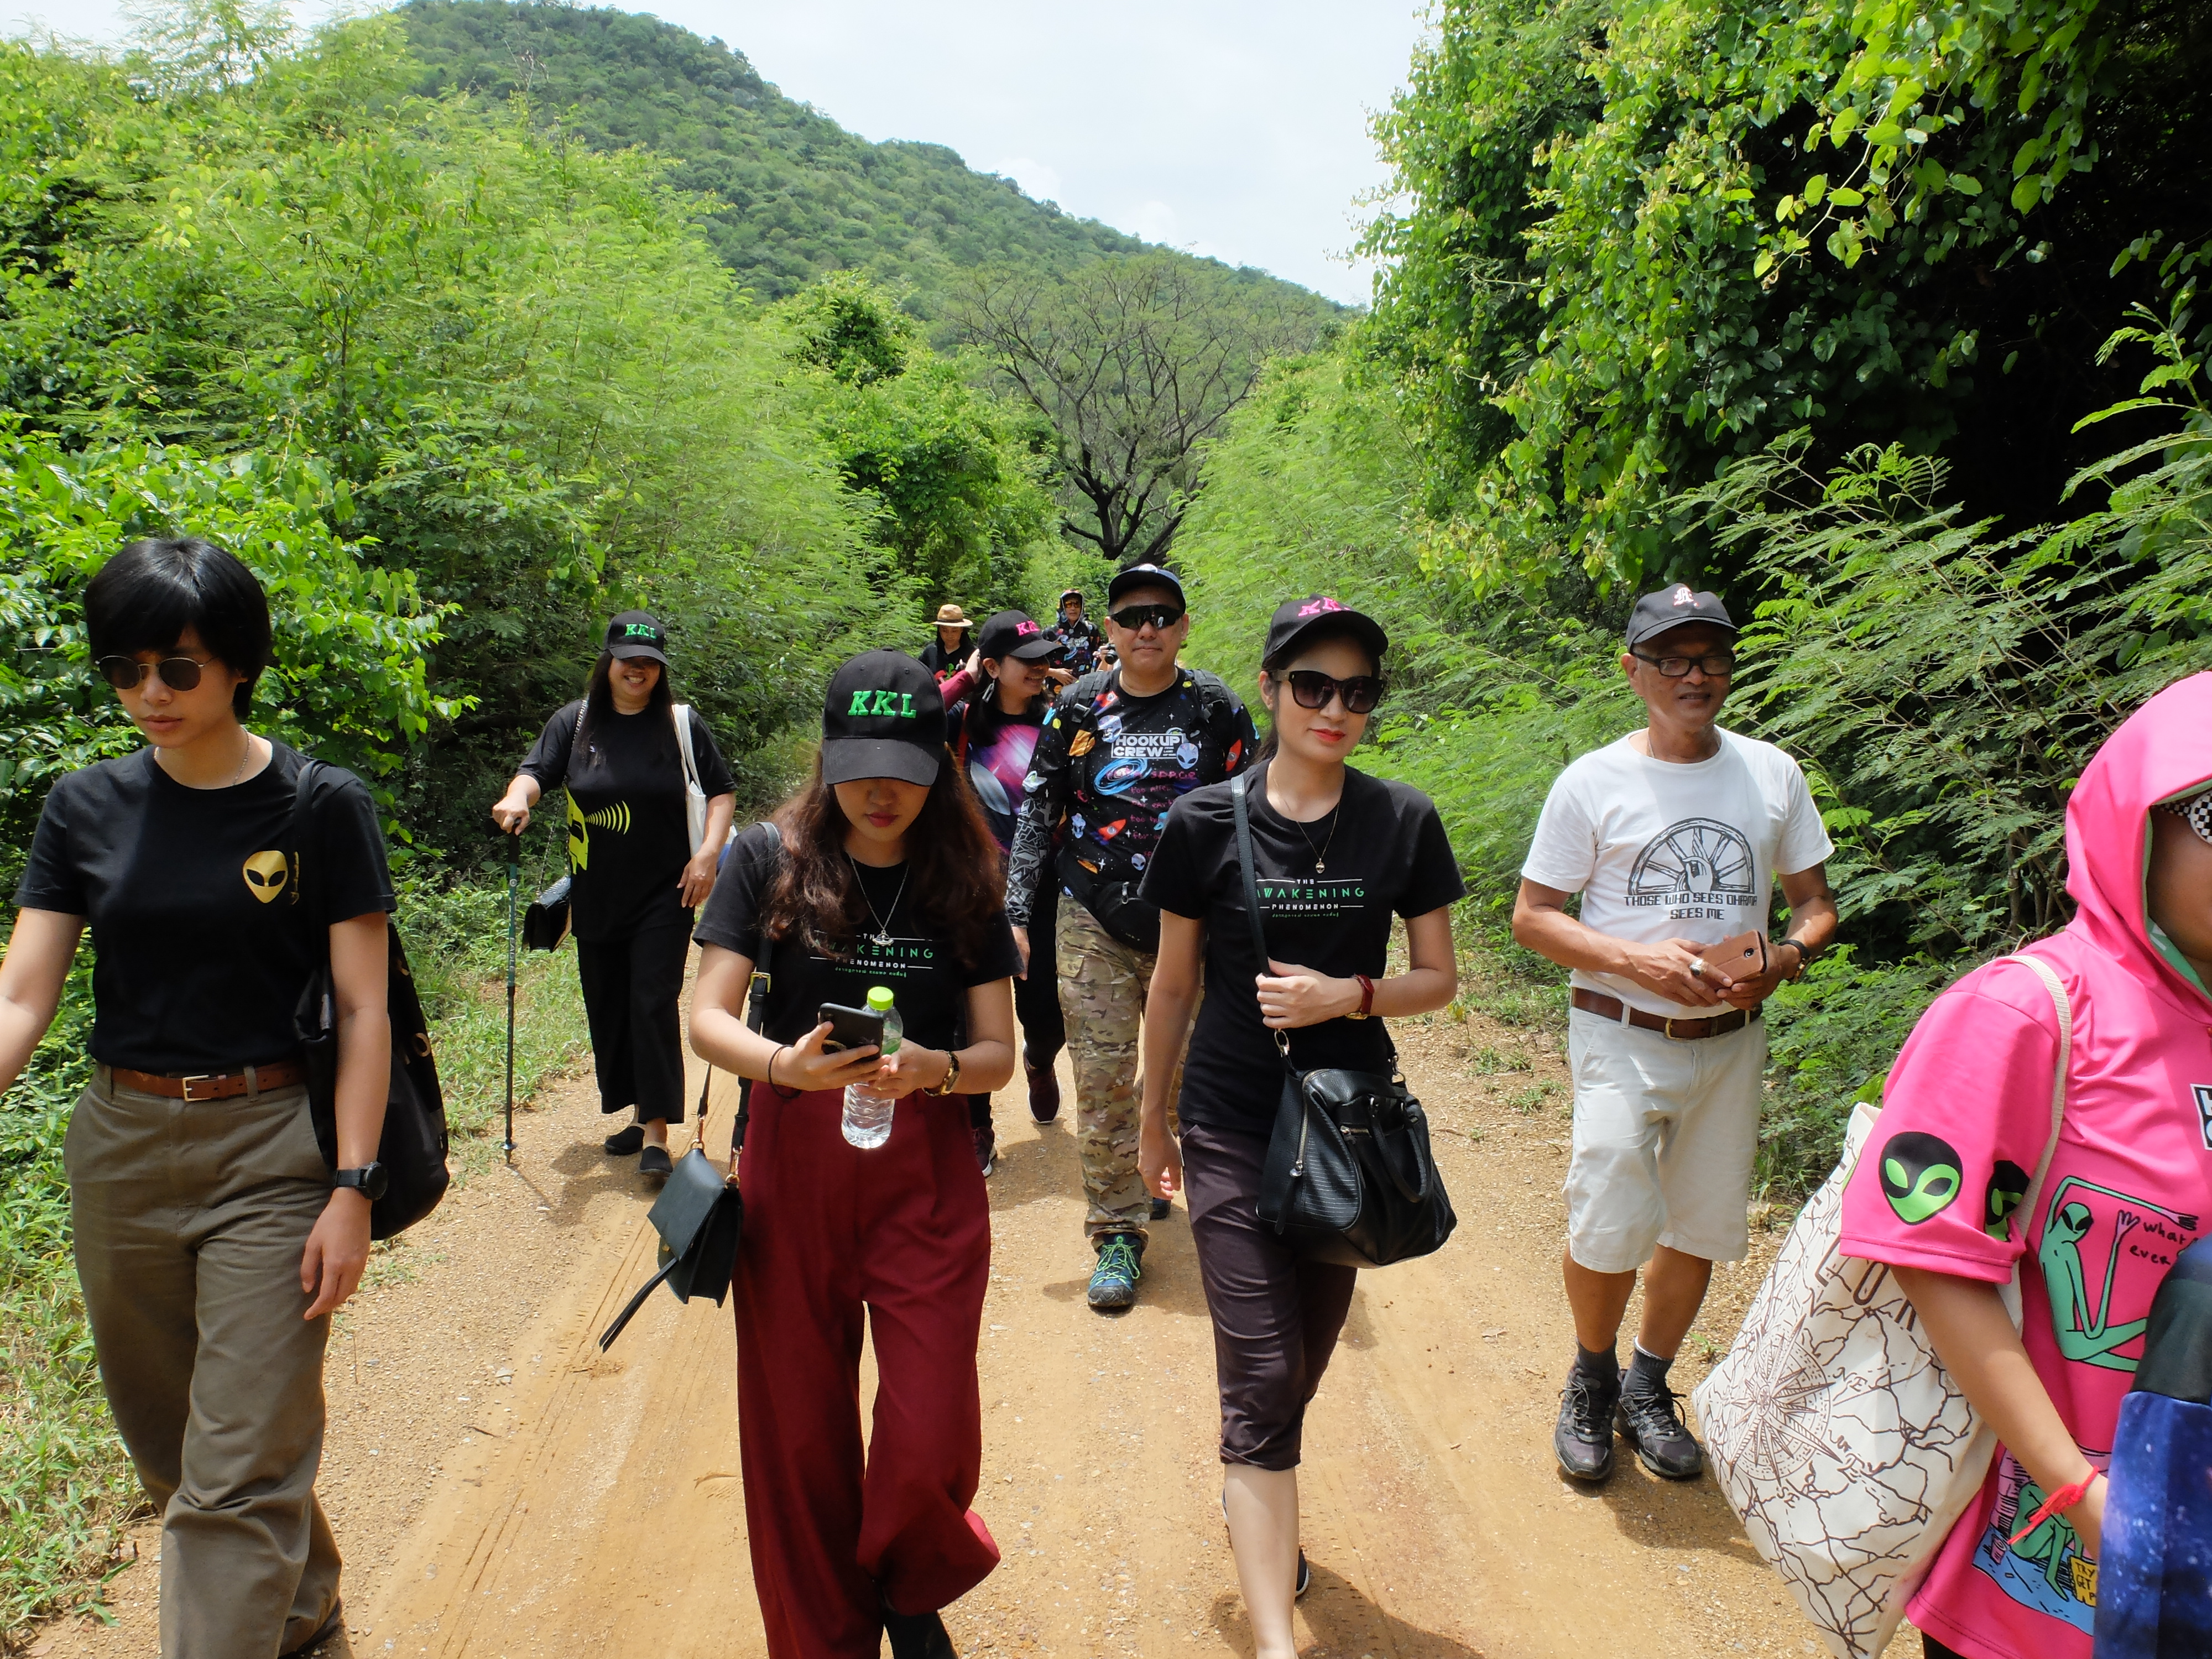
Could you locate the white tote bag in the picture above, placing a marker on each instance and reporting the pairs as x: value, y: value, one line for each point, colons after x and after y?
x: 694, y: 797
x: 1834, y: 1430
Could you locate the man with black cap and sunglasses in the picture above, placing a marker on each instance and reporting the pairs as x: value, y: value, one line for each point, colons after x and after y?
x: 1119, y: 749
x: 1674, y: 837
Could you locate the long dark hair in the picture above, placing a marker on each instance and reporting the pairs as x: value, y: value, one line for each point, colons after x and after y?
x: 1273, y: 668
x: 957, y: 886
x: 599, y: 695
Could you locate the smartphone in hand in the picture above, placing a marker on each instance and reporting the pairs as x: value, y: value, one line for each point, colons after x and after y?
x: 849, y: 1028
x: 1741, y: 957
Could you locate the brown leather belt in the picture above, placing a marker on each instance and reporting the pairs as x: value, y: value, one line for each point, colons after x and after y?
x: 1687, y: 1030
x: 213, y: 1085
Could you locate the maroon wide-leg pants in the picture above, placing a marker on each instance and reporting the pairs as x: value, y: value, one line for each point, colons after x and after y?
x: 902, y: 1232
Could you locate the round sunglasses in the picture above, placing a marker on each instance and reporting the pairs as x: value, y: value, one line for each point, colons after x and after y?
x: 1311, y: 688
x: 126, y: 673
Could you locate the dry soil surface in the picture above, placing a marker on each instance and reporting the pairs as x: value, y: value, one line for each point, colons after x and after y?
x: 501, y: 1488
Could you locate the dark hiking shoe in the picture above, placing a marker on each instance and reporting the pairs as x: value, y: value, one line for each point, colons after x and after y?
x: 917, y: 1636
x: 1584, y: 1441
x: 1305, y: 1578
x: 1162, y: 1208
x: 625, y: 1143
x: 654, y: 1161
x: 987, y: 1148
x: 1652, y: 1421
x: 1044, y: 1089
x: 1114, y: 1280
x: 330, y: 1629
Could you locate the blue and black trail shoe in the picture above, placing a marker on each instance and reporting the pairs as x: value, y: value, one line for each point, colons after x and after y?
x: 1114, y: 1280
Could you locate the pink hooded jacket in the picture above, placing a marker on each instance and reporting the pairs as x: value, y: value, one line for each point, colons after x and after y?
x: 1965, y: 1115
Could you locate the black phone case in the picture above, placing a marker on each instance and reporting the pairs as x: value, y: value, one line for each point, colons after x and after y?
x: 850, y: 1028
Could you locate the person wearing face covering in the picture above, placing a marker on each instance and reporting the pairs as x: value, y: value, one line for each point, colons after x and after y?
x: 1966, y: 1116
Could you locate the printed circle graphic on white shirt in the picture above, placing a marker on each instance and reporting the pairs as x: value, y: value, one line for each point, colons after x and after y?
x: 1696, y: 858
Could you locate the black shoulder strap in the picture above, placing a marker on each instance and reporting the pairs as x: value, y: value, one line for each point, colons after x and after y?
x: 756, y: 1016
x: 1250, y: 872
x: 303, y: 820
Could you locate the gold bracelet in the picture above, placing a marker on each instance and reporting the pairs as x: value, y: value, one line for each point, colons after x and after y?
x: 951, y: 1073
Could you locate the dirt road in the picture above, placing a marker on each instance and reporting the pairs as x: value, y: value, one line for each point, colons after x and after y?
x: 501, y: 1489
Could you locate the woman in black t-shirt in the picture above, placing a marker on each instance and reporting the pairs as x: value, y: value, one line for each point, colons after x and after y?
x: 635, y: 874
x: 212, y: 1240
x: 1338, y: 854
x: 880, y: 873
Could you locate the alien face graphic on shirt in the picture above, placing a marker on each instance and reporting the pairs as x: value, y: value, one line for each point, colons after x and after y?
x: 2008, y: 1190
x: 265, y: 874
x: 1919, y: 1175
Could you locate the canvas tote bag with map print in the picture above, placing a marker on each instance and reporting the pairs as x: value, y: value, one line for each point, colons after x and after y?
x: 1836, y: 1434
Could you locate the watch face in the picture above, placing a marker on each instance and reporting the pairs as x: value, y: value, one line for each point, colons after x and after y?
x: 374, y: 1179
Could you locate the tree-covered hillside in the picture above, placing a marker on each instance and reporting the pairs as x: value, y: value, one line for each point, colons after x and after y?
x: 804, y: 196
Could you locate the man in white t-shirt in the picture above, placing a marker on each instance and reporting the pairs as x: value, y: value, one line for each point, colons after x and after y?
x: 1673, y: 836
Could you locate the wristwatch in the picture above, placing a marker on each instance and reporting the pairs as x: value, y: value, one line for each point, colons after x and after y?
x: 1805, y: 952
x: 370, y: 1179
x: 951, y: 1073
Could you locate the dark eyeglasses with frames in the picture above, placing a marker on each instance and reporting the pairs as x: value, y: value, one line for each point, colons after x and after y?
x: 125, y: 673
x: 1311, y: 688
x: 1717, y: 666
x: 1134, y: 617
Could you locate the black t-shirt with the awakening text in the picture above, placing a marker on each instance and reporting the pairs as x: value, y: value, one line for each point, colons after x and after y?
x: 628, y: 837
x: 202, y: 952
x: 1383, y: 852
x: 928, y: 984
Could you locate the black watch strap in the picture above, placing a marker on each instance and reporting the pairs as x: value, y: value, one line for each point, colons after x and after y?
x: 370, y: 1179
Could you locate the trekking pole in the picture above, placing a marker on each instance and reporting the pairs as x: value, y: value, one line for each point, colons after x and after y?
x: 514, y: 881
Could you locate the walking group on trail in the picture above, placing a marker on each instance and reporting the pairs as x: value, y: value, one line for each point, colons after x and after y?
x: 1961, y: 1396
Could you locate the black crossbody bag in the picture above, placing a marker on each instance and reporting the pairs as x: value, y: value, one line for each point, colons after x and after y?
x: 1349, y: 1177
x: 700, y: 1214
x: 413, y: 1146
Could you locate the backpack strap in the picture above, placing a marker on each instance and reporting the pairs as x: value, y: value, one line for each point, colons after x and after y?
x: 1248, y: 869
x: 2043, y: 971
x: 302, y: 825
x: 682, y: 711
x: 756, y: 1015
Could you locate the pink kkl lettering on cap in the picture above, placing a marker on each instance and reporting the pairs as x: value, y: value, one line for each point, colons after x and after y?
x: 1024, y: 630
x: 1318, y: 607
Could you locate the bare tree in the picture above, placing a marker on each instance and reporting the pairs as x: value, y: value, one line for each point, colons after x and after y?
x: 1136, y: 363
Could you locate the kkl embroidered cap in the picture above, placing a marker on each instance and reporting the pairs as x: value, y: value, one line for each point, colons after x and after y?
x: 1295, y: 620
x: 1670, y: 607
x: 635, y: 634
x: 1015, y: 634
x: 882, y: 718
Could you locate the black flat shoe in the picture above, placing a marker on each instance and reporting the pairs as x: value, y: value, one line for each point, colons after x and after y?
x: 917, y: 1636
x: 654, y: 1161
x: 625, y: 1143
x: 330, y: 1629
x: 1305, y: 1578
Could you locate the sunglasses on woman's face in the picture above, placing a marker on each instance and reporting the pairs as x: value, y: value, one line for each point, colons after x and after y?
x: 1311, y: 688
x: 1134, y: 617
x: 126, y: 673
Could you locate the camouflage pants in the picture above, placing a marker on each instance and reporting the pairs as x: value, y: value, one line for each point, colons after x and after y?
x: 1102, y: 986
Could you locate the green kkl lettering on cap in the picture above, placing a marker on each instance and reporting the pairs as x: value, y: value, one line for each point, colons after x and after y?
x: 860, y: 704
x: 883, y: 702
x: 634, y: 630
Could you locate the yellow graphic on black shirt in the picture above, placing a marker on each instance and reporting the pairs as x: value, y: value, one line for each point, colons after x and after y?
x: 265, y: 875
x: 615, y: 818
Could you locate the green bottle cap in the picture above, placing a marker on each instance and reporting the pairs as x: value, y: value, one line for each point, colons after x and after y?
x: 879, y: 998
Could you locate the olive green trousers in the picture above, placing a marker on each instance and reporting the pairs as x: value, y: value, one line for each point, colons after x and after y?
x: 191, y: 1218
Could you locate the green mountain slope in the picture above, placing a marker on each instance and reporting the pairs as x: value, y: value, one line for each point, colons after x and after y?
x: 804, y: 196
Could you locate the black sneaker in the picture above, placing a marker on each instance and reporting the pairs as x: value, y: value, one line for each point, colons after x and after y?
x: 654, y: 1161
x: 1306, y: 1578
x: 1162, y: 1208
x: 625, y: 1143
x: 1584, y: 1441
x: 1648, y: 1415
x: 917, y: 1636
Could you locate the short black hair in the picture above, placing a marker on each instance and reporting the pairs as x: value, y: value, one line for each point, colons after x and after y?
x: 146, y: 597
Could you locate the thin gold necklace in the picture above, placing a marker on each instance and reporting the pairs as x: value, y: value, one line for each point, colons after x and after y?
x: 882, y: 937
x: 1335, y: 816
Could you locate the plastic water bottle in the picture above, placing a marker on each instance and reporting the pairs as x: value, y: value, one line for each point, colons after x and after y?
x: 868, y: 1114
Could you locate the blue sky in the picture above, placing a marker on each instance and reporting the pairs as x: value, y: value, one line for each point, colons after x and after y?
x: 1233, y: 128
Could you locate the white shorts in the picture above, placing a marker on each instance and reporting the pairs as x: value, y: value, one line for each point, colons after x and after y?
x: 1665, y: 1132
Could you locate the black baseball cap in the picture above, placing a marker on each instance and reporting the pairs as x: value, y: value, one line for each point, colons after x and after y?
x: 635, y: 634
x: 1142, y: 575
x: 882, y: 718
x: 1015, y: 634
x: 1670, y: 607
x: 1295, y: 619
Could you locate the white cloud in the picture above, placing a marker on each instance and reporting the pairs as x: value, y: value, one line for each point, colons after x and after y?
x: 1039, y: 181
x: 1156, y: 221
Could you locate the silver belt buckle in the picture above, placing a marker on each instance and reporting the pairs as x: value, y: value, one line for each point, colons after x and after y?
x: 197, y: 1077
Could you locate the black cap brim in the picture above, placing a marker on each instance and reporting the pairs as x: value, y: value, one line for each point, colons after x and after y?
x: 1030, y: 650
x: 1359, y: 626
x: 624, y: 653
x: 848, y: 760
x: 1668, y: 624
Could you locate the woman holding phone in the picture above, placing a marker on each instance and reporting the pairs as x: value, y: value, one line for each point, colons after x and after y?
x: 879, y: 873
x: 1338, y: 854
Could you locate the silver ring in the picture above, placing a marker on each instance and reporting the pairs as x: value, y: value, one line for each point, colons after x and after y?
x: 1697, y: 967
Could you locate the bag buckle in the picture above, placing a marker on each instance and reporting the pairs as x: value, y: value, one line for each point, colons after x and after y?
x: 199, y: 1077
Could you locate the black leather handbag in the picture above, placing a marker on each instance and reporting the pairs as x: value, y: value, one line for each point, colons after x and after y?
x: 414, y: 1144
x: 545, y: 923
x: 700, y: 1214
x: 1349, y: 1176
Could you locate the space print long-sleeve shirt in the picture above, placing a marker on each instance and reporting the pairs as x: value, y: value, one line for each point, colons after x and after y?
x: 1109, y: 766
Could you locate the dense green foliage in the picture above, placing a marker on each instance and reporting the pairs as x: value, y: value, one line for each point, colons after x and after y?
x: 1641, y: 237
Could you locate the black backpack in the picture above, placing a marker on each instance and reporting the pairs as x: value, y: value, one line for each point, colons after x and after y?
x: 414, y: 1144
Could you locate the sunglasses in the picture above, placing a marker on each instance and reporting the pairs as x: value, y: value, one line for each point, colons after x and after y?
x: 126, y: 673
x: 1134, y: 617
x: 1718, y: 666
x: 1311, y: 688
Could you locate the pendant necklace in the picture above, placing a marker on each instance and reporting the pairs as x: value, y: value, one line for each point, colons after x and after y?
x: 882, y: 937
x: 1335, y: 814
